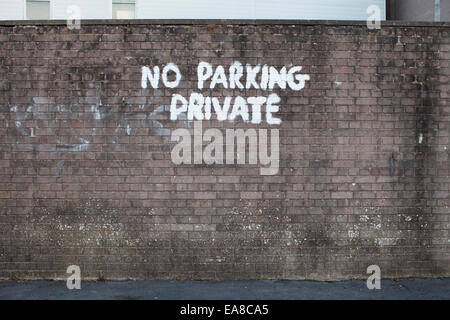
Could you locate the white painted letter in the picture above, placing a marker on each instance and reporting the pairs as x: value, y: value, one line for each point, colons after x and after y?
x: 256, y: 103
x: 251, y: 76
x: 272, y: 108
x: 221, y: 112
x: 171, y: 67
x: 196, y: 102
x: 264, y: 77
x: 301, y: 78
x: 174, y: 111
x: 219, y: 77
x: 204, y: 72
x: 240, y: 108
x: 153, y: 78
x: 236, y: 71
x: 277, y: 77
x: 207, y: 108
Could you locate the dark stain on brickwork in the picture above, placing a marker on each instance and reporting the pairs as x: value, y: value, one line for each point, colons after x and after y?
x: 392, y: 164
x: 425, y: 154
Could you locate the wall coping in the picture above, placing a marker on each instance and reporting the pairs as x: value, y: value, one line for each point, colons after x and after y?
x: 13, y: 23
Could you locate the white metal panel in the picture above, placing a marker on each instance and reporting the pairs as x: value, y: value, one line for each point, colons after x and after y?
x: 12, y: 9
x: 208, y: 9
x: 257, y: 9
x: 194, y: 9
x: 37, y: 10
x: 90, y: 9
x: 317, y: 9
x: 123, y: 11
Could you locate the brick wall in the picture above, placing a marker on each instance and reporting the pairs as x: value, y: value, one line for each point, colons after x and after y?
x: 86, y: 175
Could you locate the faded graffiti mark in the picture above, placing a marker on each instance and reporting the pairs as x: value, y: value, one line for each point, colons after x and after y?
x: 61, y: 129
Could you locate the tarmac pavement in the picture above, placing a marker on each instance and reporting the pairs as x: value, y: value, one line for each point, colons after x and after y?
x: 403, y: 289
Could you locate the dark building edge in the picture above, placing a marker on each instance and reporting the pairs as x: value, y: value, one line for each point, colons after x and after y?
x: 7, y: 23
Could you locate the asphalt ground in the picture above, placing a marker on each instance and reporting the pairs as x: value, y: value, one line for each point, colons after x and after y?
x: 402, y: 289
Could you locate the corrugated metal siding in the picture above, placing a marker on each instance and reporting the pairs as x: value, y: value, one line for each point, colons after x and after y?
x: 257, y: 9
x: 11, y: 9
x: 90, y: 9
x: 209, y: 9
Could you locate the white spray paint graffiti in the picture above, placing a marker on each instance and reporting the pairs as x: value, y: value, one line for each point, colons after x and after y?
x: 18, y: 115
x: 199, y: 107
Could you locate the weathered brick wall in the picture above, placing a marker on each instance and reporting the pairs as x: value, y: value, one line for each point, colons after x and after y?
x: 86, y: 176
